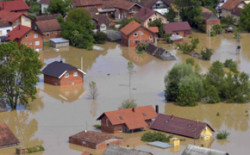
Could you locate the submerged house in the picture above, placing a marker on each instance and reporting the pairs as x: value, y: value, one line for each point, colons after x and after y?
x: 196, y: 150
x: 160, y: 53
x: 127, y: 120
x: 61, y: 74
x: 178, y: 28
x: 183, y: 127
x: 118, y: 150
x: 210, y: 19
x: 134, y: 33
x: 94, y: 140
x: 7, y: 138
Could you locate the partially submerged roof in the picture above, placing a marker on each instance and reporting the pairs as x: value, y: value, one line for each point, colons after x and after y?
x: 133, y: 118
x: 133, y: 25
x: 230, y: 4
x: 48, y: 25
x: 196, y: 150
x: 207, y: 14
x: 179, y: 126
x: 18, y: 32
x: 93, y: 137
x: 7, y: 138
x: 160, y: 53
x: 58, y: 69
x: 14, y: 5
x: 118, y: 150
x: 176, y: 26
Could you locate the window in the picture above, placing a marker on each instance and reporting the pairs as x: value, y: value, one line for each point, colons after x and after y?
x: 37, y: 43
x: 8, y: 31
x: 30, y: 42
x: 151, y: 37
x: 135, y: 34
x: 35, y: 35
x: 26, y: 20
x: 133, y: 9
x: 26, y: 35
x: 141, y: 33
x: 83, y: 142
x: 24, y: 43
x: 107, y: 122
x: 120, y: 129
x: 47, y: 34
x: 66, y: 75
x: 150, y: 19
x: 75, y: 74
x: 17, y: 22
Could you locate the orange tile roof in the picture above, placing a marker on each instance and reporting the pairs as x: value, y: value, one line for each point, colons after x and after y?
x: 231, y: 4
x: 18, y: 32
x: 134, y: 118
x: 129, y: 28
x: 154, y: 29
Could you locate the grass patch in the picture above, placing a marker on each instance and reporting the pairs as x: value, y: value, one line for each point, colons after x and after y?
x: 155, y: 136
x: 222, y: 134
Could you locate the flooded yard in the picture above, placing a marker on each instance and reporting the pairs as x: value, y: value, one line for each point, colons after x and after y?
x: 59, y: 112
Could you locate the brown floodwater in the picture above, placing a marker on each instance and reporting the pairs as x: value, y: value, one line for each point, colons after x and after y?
x: 59, y: 112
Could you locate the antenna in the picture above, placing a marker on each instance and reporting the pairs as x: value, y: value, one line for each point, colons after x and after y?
x: 81, y: 63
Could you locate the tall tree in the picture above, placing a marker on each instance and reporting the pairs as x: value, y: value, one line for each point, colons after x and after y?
x: 78, y: 28
x: 245, y: 18
x: 130, y: 72
x: 19, y: 71
x: 190, y: 10
x: 59, y: 6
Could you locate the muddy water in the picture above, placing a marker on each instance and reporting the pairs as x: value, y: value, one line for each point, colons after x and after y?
x: 59, y: 112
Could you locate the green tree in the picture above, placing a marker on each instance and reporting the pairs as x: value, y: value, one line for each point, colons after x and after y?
x: 228, y: 20
x: 186, y: 95
x: 186, y: 48
x: 171, y: 15
x: 93, y: 92
x: 211, y: 93
x: 216, y: 29
x: 19, y: 71
x: 158, y: 23
x: 100, y: 38
x: 128, y: 104
x: 210, y: 3
x: 206, y: 54
x: 141, y: 48
x: 244, y: 18
x: 229, y: 63
x: 190, y: 10
x: 59, y: 6
x: 78, y: 28
x: 125, y: 21
x: 190, y: 61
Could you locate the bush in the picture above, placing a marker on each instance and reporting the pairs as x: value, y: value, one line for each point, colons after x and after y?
x: 155, y: 136
x: 216, y: 29
x: 206, y: 54
x: 158, y: 23
x: 229, y: 63
x: 35, y: 149
x: 100, y: 38
x: 141, y: 48
x: 188, y: 48
x: 228, y: 20
x: 128, y: 104
x: 186, y: 96
x: 190, y: 61
x: 167, y: 38
x: 222, y: 135
x: 97, y: 126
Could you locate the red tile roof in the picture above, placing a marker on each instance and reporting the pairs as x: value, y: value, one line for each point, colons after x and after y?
x: 121, y: 4
x: 10, y: 16
x: 133, y: 25
x: 15, y: 5
x: 133, y: 118
x: 231, y: 4
x: 93, y: 137
x: 7, y: 138
x: 47, y: 17
x: 179, y: 126
x: 85, y: 3
x: 176, y: 26
x: 18, y: 32
x: 4, y: 23
x: 48, y: 25
x: 144, y: 14
x: 207, y: 14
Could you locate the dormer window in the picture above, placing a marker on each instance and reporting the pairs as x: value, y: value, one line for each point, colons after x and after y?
x: 66, y: 75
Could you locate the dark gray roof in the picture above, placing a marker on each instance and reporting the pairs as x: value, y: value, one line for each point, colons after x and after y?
x: 56, y: 69
x: 160, y: 53
x: 117, y: 150
x: 196, y: 150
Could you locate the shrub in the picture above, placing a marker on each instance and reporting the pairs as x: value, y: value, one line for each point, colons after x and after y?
x: 222, y: 135
x: 190, y: 61
x: 167, y: 38
x: 155, y: 136
x: 228, y: 20
x: 97, y: 126
x: 188, y: 48
x: 216, y: 29
x: 141, y: 48
x: 186, y: 96
x: 229, y: 63
x: 206, y: 54
x: 100, y: 38
x: 128, y: 104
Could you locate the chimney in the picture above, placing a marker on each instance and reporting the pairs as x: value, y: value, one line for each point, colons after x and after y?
x: 133, y: 109
x: 157, y: 109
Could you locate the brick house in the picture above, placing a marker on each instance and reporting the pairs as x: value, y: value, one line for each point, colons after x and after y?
x: 14, y: 6
x: 7, y: 138
x: 49, y: 28
x: 210, y: 19
x: 134, y: 33
x: 94, y: 140
x: 27, y: 36
x: 146, y: 15
x: 62, y: 74
x: 127, y: 120
x: 178, y: 28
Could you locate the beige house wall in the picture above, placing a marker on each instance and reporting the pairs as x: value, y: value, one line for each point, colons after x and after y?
x: 154, y: 17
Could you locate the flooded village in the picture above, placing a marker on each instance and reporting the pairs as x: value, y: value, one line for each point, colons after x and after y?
x: 64, y: 111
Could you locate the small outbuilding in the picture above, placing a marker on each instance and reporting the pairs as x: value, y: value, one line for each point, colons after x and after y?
x: 182, y: 127
x: 94, y: 140
x: 60, y: 74
x: 179, y: 28
x: 118, y: 150
x: 160, y: 53
x: 196, y: 150
x: 59, y: 42
x: 7, y: 138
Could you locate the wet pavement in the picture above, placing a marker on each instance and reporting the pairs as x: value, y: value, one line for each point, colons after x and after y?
x: 59, y: 112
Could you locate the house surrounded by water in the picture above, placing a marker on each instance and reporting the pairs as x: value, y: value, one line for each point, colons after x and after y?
x: 182, y: 127
x: 7, y: 138
x: 59, y: 73
x: 127, y: 120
